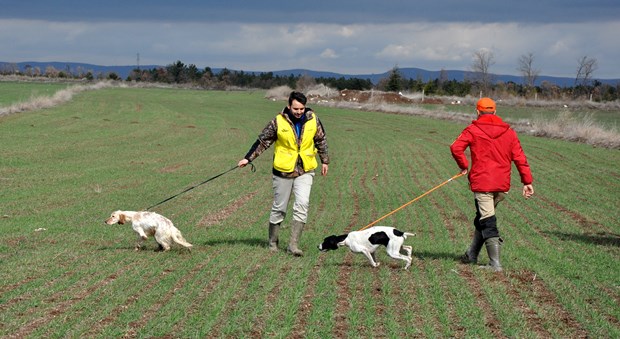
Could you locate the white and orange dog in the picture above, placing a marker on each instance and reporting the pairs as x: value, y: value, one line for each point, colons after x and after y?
x: 368, y: 241
x: 150, y: 223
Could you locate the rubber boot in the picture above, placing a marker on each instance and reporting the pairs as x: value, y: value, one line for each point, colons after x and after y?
x: 494, y: 246
x: 273, y: 236
x: 296, y: 229
x: 471, y: 256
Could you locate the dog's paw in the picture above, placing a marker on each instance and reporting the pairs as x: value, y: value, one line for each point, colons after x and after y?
x: 376, y: 264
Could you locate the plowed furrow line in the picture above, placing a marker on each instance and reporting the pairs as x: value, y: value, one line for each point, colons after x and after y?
x: 526, y: 282
x: 62, y: 307
x: 431, y: 319
x: 411, y: 289
x: 456, y: 330
x: 127, y: 304
x: 378, y: 329
x: 490, y: 321
x: 344, y: 291
x: 47, y: 285
x: 258, y: 330
x: 344, y: 296
x: 403, y: 291
x: 114, y: 314
x: 583, y: 221
x: 305, y: 306
x: 150, y: 313
x: 534, y: 322
x: 438, y: 207
x: 231, y: 305
x: 213, y: 219
x: 422, y: 214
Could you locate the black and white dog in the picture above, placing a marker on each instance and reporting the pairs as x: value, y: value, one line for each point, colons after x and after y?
x: 368, y: 240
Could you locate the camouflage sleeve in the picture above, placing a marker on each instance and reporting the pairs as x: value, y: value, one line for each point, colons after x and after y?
x: 320, y: 142
x: 265, y: 139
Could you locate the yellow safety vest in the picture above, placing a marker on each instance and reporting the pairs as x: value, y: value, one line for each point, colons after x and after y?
x: 286, y: 149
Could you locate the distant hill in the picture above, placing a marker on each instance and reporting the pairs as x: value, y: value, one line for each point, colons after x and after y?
x: 76, y: 67
x: 414, y: 73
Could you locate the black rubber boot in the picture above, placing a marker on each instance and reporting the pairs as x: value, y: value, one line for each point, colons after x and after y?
x: 471, y: 256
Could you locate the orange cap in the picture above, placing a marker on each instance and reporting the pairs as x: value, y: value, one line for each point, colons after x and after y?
x: 486, y: 105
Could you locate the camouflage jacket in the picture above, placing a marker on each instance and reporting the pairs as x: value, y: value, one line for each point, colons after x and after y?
x: 269, y: 135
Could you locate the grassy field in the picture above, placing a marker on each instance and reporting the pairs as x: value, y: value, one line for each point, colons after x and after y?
x: 13, y: 91
x: 65, y: 274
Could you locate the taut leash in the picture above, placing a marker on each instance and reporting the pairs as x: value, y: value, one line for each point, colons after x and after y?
x: 411, y: 202
x: 202, y: 183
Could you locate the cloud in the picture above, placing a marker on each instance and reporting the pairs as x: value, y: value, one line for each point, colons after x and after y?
x: 329, y: 53
x: 341, y: 48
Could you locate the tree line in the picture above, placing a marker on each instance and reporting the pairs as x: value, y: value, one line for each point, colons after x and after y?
x: 479, y: 82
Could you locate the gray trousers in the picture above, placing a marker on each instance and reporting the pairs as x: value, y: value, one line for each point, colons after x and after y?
x: 282, y: 189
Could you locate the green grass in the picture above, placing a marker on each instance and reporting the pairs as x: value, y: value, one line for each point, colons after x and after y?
x: 13, y: 92
x: 65, y: 169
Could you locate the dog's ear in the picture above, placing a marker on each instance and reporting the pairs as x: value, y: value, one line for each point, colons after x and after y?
x: 121, y: 219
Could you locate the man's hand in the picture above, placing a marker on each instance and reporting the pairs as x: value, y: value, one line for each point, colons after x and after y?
x: 243, y: 162
x: 324, y: 169
x: 528, y: 191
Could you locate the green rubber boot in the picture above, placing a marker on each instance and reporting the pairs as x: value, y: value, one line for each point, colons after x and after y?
x: 273, y: 237
x: 296, y: 230
x: 494, y: 246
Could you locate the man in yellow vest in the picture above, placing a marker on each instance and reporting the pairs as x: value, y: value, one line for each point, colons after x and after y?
x: 298, y: 136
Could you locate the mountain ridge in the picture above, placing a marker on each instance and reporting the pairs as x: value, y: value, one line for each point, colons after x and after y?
x: 406, y: 72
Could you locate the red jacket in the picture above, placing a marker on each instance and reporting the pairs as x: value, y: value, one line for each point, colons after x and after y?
x: 493, y: 146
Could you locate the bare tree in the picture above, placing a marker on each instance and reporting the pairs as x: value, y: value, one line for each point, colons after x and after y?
x: 526, y: 67
x: 585, y: 68
x: 482, y: 61
x: 305, y: 83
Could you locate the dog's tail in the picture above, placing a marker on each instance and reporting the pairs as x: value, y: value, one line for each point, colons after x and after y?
x: 178, y: 238
x: 407, y: 234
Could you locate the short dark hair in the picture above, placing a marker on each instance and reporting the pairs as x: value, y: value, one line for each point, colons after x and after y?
x: 297, y: 96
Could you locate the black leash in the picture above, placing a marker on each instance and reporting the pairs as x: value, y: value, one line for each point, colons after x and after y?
x: 202, y: 183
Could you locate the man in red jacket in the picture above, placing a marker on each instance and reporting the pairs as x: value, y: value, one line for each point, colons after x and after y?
x: 493, y: 146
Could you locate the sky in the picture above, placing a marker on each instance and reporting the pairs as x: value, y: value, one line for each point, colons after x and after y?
x: 341, y: 36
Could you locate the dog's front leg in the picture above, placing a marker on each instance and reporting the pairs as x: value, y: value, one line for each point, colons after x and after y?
x: 371, y: 258
x: 141, y: 238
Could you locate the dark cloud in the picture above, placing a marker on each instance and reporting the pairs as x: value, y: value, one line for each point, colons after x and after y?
x: 321, y: 11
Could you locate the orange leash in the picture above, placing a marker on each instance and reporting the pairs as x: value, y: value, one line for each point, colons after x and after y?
x: 411, y: 202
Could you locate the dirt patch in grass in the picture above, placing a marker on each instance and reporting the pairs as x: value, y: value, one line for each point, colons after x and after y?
x: 216, y: 218
x: 172, y: 168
